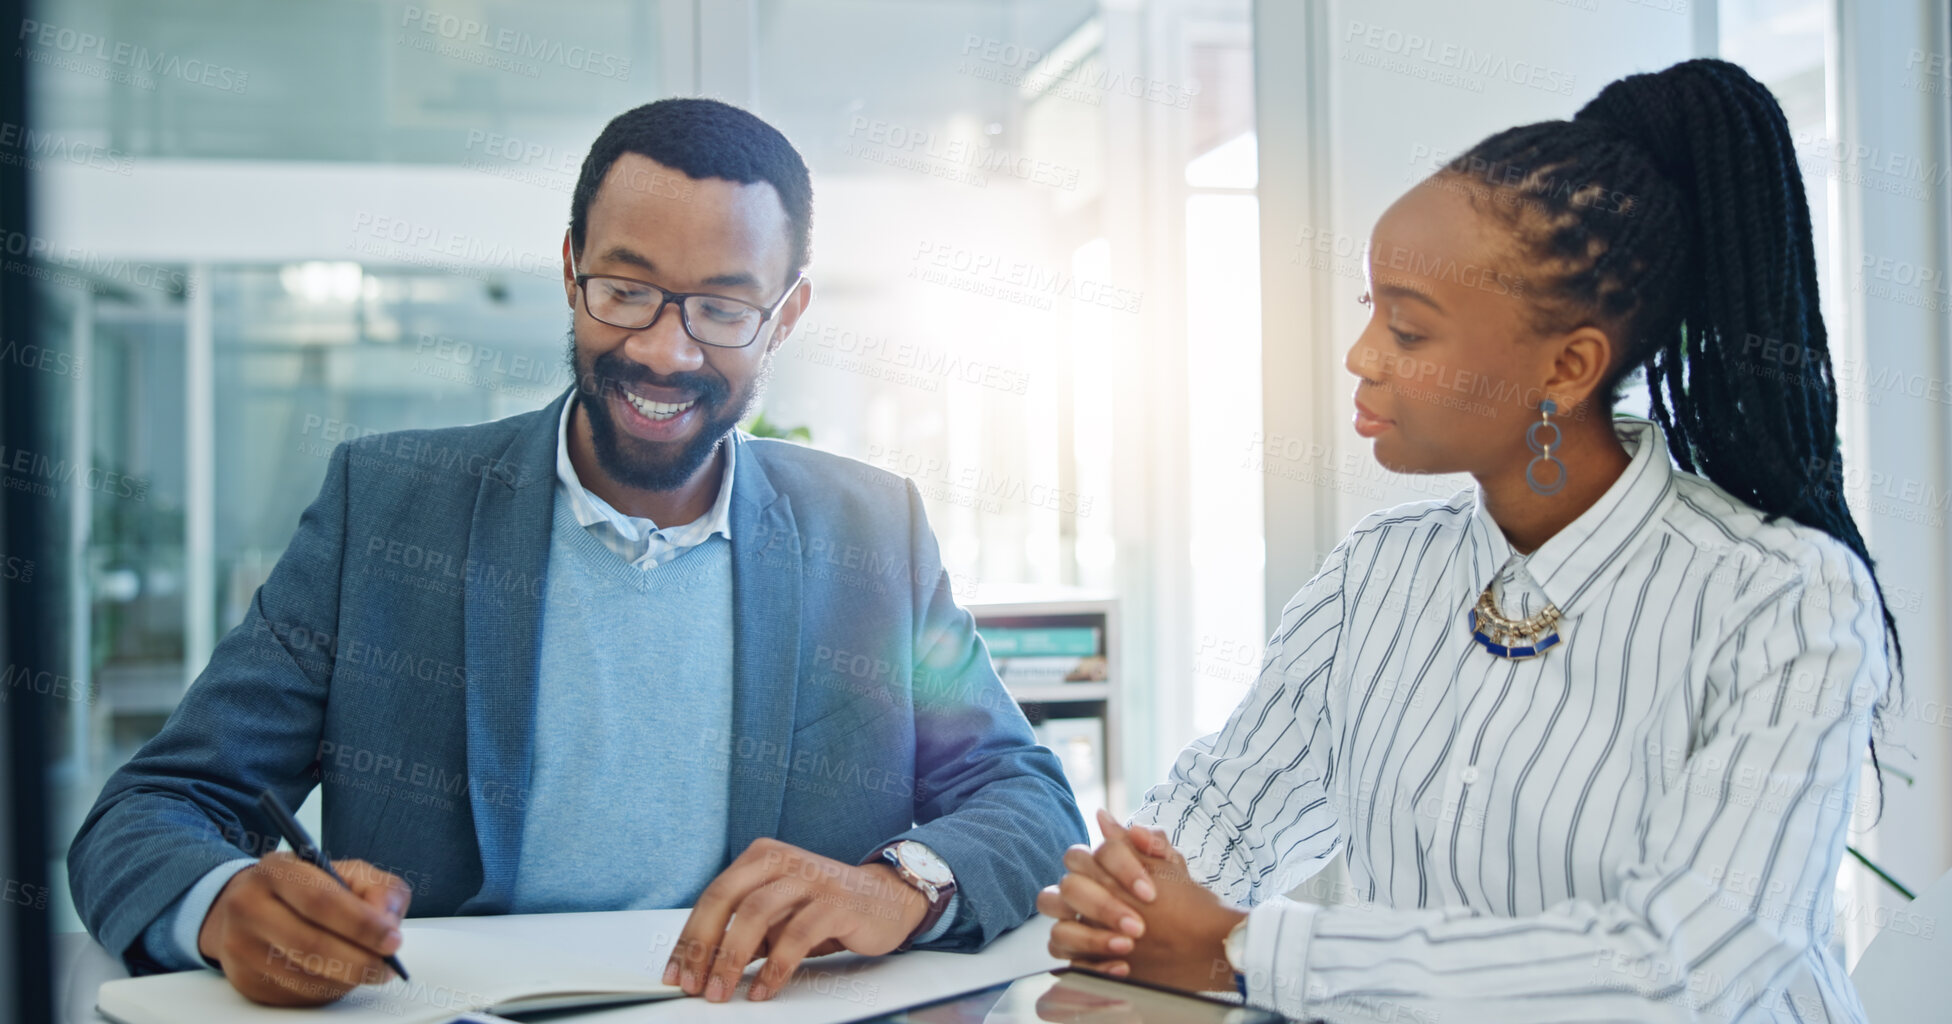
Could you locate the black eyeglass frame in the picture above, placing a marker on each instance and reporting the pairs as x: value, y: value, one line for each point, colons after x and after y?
x: 684, y: 319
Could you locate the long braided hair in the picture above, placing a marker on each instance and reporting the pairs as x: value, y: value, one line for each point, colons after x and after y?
x: 1670, y: 211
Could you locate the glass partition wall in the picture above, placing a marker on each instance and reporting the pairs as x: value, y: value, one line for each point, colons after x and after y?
x: 272, y: 229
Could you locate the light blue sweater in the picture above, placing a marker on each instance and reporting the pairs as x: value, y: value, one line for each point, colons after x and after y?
x: 629, y: 793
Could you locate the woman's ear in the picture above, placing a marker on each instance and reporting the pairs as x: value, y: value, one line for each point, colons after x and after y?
x: 1579, y: 366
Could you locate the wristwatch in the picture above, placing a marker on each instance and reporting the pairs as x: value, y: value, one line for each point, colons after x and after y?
x: 1235, y: 947
x: 920, y: 867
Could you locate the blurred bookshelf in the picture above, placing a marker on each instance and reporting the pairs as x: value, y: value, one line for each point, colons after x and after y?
x: 1057, y: 656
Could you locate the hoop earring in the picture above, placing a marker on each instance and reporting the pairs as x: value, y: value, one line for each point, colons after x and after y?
x: 1546, y: 409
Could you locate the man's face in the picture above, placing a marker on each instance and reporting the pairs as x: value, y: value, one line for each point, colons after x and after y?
x: 659, y: 401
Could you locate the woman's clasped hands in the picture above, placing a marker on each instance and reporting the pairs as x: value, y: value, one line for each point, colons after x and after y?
x: 1131, y: 909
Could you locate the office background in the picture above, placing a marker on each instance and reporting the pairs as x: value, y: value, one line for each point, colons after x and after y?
x: 1085, y: 269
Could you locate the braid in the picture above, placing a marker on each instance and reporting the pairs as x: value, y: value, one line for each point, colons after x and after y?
x: 1670, y: 211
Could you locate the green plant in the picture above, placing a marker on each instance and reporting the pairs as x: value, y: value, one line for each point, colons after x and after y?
x: 760, y: 426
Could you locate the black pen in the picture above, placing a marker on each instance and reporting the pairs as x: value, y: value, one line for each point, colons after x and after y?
x: 308, y: 851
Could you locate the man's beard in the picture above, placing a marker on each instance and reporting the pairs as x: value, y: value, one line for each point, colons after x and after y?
x: 649, y: 465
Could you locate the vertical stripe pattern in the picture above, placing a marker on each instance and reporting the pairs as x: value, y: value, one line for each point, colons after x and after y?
x: 1644, y: 823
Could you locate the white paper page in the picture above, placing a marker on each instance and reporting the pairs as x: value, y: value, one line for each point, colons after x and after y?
x: 452, y: 971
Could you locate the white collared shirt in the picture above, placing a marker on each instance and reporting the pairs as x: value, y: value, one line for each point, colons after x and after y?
x: 635, y: 539
x: 1642, y: 823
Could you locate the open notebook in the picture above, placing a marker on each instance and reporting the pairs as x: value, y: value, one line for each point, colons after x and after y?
x: 453, y: 972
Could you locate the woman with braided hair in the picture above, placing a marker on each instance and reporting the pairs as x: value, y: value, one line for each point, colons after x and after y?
x: 1589, y: 732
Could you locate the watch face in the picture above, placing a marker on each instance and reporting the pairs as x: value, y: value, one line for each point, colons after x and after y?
x: 924, y: 863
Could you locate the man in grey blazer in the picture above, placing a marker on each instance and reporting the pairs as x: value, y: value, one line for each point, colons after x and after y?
x: 608, y: 654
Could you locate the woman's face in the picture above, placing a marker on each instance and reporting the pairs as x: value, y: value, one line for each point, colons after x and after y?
x: 1446, y: 382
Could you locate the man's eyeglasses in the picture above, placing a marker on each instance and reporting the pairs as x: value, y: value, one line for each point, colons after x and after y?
x: 715, y: 320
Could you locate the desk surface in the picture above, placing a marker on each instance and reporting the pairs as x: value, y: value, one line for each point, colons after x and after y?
x: 827, y: 990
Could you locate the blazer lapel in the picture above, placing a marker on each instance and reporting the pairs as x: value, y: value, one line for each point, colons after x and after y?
x: 766, y: 649
x: 508, y: 552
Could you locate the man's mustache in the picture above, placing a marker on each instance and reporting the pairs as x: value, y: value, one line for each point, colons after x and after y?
x: 609, y: 372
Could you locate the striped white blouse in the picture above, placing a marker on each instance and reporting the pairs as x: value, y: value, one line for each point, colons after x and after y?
x: 1642, y: 823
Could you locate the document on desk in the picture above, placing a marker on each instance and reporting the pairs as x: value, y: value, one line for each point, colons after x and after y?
x: 453, y: 972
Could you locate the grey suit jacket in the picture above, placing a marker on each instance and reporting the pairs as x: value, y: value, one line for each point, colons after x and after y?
x: 392, y: 655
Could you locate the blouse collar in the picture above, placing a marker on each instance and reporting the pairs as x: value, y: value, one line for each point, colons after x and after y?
x: 1590, y: 548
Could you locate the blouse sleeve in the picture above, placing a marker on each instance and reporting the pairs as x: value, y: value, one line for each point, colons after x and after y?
x: 1248, y: 805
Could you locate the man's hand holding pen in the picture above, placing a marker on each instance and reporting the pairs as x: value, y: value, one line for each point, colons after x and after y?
x: 288, y: 934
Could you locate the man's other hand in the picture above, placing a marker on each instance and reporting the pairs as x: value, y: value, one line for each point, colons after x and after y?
x: 784, y: 904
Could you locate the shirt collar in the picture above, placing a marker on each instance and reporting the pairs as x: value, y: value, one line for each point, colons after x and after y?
x: 591, y: 510
x: 1580, y: 554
